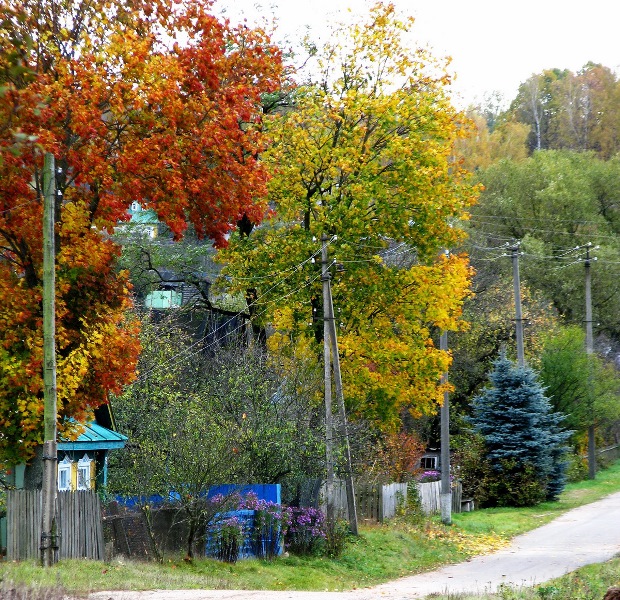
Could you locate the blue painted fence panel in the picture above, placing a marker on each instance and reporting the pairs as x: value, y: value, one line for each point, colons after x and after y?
x: 270, y: 492
x: 247, y: 518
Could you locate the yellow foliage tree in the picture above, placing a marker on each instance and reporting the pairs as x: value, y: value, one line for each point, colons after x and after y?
x: 482, y: 147
x: 365, y: 156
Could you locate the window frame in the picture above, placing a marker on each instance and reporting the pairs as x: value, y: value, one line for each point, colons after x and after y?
x: 65, y: 467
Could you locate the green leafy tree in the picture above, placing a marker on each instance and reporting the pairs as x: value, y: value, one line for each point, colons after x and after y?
x: 523, y: 437
x: 490, y: 313
x: 582, y: 386
x: 555, y: 202
x: 200, y: 415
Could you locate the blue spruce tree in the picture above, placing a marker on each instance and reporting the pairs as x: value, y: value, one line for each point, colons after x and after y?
x: 525, y: 443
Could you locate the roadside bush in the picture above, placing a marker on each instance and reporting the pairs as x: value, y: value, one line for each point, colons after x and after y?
x: 336, y: 534
x: 577, y: 468
x: 269, y: 526
x: 515, y: 485
x: 471, y: 467
x: 410, y: 510
x: 306, y: 533
x: 271, y: 521
x: 228, y: 535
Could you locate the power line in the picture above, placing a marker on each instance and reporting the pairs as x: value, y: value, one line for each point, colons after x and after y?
x: 575, y: 234
x: 277, y: 273
x: 543, y: 219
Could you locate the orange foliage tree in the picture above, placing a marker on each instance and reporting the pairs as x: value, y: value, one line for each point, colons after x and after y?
x: 154, y: 101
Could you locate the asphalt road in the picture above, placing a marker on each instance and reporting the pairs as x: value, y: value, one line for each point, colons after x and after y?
x: 582, y: 536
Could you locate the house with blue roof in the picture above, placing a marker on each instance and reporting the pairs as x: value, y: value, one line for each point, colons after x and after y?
x: 82, y: 462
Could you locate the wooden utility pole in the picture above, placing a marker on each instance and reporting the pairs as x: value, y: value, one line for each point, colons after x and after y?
x: 328, y: 312
x: 327, y: 363
x: 445, y: 498
x: 49, y: 548
x: 518, y: 316
x: 589, y: 350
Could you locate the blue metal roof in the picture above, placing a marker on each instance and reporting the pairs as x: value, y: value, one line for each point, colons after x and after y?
x: 95, y: 437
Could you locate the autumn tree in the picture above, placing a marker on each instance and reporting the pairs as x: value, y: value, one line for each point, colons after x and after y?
x: 151, y: 101
x: 483, y: 146
x: 570, y: 110
x: 364, y: 157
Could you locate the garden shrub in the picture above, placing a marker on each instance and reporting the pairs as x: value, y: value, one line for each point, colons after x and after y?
x: 336, y: 534
x: 271, y: 522
x: 306, y: 533
x: 471, y: 467
x: 228, y: 535
x: 515, y: 485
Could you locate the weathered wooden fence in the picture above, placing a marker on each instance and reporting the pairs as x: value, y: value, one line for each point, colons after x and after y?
x: 79, y: 525
x: 608, y: 455
x: 377, y: 502
x: 430, y: 496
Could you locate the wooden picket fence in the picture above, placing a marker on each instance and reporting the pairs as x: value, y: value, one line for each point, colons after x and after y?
x: 79, y: 525
x: 377, y: 502
x: 430, y: 497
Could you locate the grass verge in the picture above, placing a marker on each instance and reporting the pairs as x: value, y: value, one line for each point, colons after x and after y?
x: 587, y: 583
x: 380, y: 553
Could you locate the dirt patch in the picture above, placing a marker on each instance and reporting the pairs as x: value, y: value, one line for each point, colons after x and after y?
x: 575, y: 494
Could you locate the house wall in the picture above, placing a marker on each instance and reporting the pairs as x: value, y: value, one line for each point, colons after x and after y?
x: 33, y: 472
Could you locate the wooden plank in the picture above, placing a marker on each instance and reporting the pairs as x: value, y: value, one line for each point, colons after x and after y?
x: 78, y: 523
x: 429, y: 496
x: 10, y: 525
x: 457, y: 495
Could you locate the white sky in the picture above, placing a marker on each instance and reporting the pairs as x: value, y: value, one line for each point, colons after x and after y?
x: 494, y: 44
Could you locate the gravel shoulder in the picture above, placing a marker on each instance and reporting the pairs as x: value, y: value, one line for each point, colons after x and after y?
x: 584, y: 535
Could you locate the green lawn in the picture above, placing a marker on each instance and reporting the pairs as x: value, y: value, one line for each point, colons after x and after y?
x: 380, y: 553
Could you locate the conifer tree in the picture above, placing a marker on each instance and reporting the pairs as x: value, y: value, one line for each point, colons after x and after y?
x: 525, y: 443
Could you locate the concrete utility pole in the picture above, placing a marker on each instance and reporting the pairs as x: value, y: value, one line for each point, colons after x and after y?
x: 328, y: 311
x: 48, y: 547
x: 590, y: 350
x: 518, y: 316
x: 445, y: 498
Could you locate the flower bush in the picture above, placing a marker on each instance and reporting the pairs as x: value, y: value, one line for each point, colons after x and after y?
x: 228, y: 535
x: 428, y: 476
x: 432, y: 475
x: 271, y: 522
x: 306, y: 533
